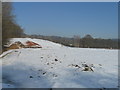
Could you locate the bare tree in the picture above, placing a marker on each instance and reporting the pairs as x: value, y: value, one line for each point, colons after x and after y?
x: 10, y: 29
x: 76, y: 40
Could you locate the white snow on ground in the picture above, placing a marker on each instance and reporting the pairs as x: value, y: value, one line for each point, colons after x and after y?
x: 44, y: 43
x: 57, y: 66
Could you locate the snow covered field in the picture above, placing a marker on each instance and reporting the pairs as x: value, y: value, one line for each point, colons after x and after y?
x: 58, y: 66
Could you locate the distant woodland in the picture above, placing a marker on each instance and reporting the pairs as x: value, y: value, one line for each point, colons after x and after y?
x: 10, y: 29
x: 85, y: 42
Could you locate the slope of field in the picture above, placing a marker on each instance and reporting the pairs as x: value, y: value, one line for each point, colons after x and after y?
x: 57, y: 66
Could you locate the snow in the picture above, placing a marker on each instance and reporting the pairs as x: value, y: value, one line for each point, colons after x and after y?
x: 44, y: 43
x: 54, y: 66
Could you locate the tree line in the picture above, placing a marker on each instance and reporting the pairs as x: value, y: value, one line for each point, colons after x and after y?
x: 85, y: 42
x: 10, y: 29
